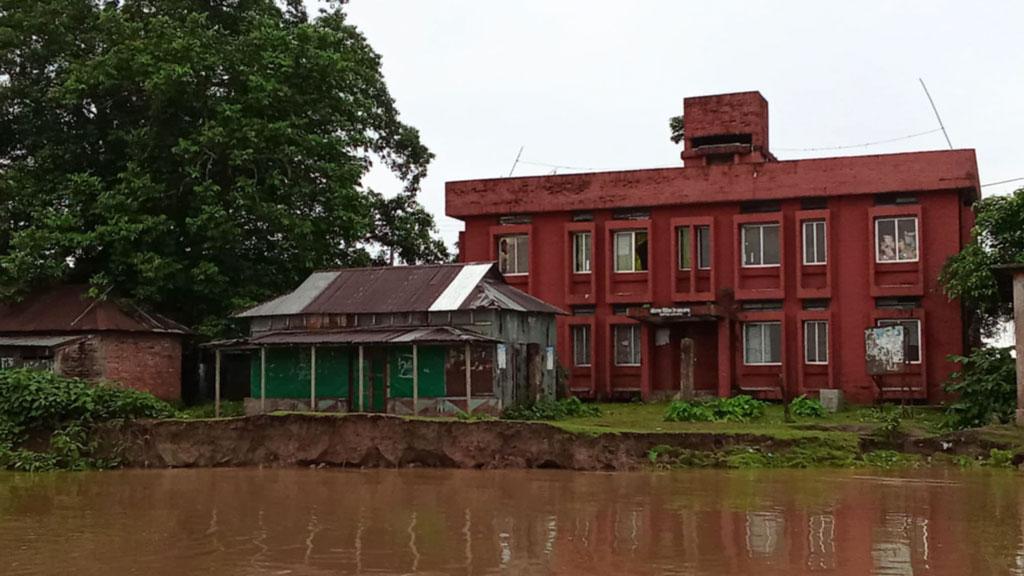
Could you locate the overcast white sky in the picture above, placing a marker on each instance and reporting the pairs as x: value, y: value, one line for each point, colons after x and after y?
x: 591, y: 83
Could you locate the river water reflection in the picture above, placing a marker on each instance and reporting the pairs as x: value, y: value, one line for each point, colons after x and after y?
x: 296, y: 522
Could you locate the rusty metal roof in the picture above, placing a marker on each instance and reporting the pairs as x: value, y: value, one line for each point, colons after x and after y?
x: 433, y: 287
x: 410, y: 335
x: 69, y: 308
x: 37, y: 341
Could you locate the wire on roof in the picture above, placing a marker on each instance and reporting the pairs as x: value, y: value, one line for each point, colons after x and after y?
x: 864, y: 145
x: 1003, y: 181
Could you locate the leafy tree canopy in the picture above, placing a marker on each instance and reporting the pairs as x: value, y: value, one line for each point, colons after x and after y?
x: 998, y: 238
x: 196, y: 155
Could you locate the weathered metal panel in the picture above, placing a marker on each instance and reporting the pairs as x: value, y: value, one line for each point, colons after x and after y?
x: 368, y: 336
x: 295, y: 301
x: 383, y: 290
x: 37, y: 341
x: 460, y: 287
x: 431, y: 366
x: 885, y: 350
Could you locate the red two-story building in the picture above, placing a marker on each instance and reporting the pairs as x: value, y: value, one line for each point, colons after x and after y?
x: 736, y: 273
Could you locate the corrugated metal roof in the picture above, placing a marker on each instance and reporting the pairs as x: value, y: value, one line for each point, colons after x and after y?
x: 70, y: 309
x: 37, y: 341
x: 385, y: 290
x: 411, y: 335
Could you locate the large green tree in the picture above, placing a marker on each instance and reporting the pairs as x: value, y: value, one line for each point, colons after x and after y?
x: 196, y: 155
x: 997, y: 238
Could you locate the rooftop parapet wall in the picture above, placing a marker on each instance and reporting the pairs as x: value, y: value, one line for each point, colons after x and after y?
x: 917, y: 172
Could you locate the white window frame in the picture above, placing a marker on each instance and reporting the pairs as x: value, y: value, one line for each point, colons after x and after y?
x: 762, y: 324
x: 584, y: 239
x: 586, y: 330
x: 636, y: 344
x: 899, y: 322
x: 701, y: 264
x: 818, y: 325
x: 896, y: 230
x: 632, y: 249
x: 514, y: 253
x: 760, y: 230
x: 812, y: 224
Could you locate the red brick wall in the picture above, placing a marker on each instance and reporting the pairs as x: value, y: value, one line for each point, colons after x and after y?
x: 149, y: 362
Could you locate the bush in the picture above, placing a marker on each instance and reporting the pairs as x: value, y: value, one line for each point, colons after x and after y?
x: 735, y: 409
x: 806, y: 407
x: 551, y: 410
x: 986, y: 386
x: 36, y: 403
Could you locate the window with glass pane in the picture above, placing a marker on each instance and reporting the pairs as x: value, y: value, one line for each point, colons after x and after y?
x: 762, y: 343
x: 760, y: 244
x: 896, y: 240
x: 912, y: 333
x: 631, y: 251
x: 814, y: 242
x: 704, y: 247
x: 684, y: 247
x: 627, y: 345
x: 581, y: 345
x: 581, y: 252
x: 816, y: 342
x: 514, y: 254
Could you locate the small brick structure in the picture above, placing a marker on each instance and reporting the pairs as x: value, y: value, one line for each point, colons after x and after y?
x: 64, y: 330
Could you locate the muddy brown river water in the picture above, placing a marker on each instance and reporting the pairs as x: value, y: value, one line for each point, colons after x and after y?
x: 420, y: 521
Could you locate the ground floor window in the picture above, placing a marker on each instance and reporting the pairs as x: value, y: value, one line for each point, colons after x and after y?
x: 912, y: 332
x: 816, y: 342
x: 581, y: 345
x: 627, y: 345
x: 762, y: 343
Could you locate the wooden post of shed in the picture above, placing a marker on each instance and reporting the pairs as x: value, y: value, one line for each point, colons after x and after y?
x: 263, y: 379
x: 216, y: 383
x: 312, y: 378
x: 360, y: 378
x: 469, y: 380
x: 415, y: 380
x: 1018, y: 331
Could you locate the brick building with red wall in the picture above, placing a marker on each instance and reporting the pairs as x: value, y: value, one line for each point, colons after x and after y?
x: 737, y: 272
x: 64, y: 330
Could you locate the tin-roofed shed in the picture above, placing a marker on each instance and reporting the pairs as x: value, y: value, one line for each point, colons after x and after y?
x: 397, y: 340
x: 65, y: 330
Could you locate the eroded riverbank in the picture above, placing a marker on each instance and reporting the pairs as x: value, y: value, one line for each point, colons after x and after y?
x: 284, y: 440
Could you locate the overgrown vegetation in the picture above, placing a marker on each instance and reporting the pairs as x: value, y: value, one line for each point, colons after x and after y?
x: 228, y: 409
x: 735, y: 409
x: 551, y: 410
x: 46, y: 421
x: 805, y: 407
x: 985, y: 385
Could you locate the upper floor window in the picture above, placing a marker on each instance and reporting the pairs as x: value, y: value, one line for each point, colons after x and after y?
x: 762, y: 343
x: 912, y: 333
x: 703, y: 247
x: 760, y: 244
x: 814, y: 242
x: 581, y: 345
x: 816, y: 342
x: 514, y: 254
x: 627, y: 345
x: 581, y: 252
x: 631, y: 251
x: 896, y: 239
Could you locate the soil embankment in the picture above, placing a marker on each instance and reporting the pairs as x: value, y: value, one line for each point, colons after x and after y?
x: 388, y: 441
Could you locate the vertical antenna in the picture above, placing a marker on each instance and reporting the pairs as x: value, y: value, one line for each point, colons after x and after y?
x: 516, y: 163
x: 936, y: 110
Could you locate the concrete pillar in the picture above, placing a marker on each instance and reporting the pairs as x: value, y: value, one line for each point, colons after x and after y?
x: 415, y: 380
x: 263, y: 379
x: 469, y: 379
x: 216, y: 383
x: 312, y: 378
x: 1018, y: 332
x: 360, y: 378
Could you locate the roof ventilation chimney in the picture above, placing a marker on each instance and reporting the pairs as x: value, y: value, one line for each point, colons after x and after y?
x: 726, y: 129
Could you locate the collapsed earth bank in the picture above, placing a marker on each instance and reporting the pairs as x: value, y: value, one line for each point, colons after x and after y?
x: 389, y: 441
